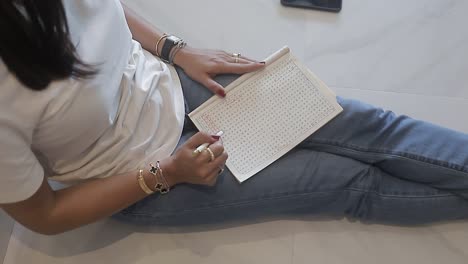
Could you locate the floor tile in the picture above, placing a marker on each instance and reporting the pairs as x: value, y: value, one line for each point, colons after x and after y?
x: 112, y: 242
x: 6, y: 226
x: 417, y: 47
x: 343, y: 242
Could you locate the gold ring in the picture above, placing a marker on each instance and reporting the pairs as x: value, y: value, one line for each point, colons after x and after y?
x: 212, y: 156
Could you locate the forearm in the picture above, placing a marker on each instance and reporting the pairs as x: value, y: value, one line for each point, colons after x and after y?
x: 52, y: 212
x: 148, y: 35
x: 142, y: 31
x: 91, y: 201
x: 94, y: 200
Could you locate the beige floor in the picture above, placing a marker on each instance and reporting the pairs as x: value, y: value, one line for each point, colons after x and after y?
x: 6, y: 227
x: 409, y: 56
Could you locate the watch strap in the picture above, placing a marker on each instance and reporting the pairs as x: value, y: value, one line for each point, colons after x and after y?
x: 169, y: 43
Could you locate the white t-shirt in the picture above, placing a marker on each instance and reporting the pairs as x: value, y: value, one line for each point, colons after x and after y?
x: 128, y: 115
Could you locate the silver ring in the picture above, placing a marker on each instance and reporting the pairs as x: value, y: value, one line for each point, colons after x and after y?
x: 236, y: 57
x: 221, y: 170
x: 212, y: 156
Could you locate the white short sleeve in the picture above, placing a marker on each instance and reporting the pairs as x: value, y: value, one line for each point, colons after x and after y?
x: 130, y: 113
x: 21, y: 174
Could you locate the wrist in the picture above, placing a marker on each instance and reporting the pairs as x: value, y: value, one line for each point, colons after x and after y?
x: 181, y: 57
x: 168, y: 170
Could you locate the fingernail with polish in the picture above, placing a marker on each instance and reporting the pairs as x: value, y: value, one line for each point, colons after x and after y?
x: 217, y: 135
x: 221, y: 93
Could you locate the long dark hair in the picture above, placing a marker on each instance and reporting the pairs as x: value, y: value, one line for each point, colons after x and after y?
x: 35, y: 43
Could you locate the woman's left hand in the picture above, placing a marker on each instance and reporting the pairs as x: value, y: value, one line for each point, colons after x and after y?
x: 203, y: 65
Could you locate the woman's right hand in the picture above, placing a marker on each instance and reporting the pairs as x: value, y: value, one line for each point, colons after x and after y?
x: 184, y: 167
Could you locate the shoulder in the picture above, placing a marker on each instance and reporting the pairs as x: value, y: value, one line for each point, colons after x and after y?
x: 20, y: 106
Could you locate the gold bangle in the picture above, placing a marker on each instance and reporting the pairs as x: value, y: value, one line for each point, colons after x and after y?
x: 142, y: 183
x: 157, y: 43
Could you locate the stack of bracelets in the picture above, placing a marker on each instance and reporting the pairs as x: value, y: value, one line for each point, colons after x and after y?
x: 171, y: 46
x: 161, y: 185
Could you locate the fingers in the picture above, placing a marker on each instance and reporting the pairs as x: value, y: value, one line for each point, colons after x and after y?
x: 231, y: 58
x: 205, y: 169
x: 249, y: 64
x: 241, y: 61
x: 220, y: 156
x: 237, y: 68
x: 227, y: 64
x: 240, y: 68
x: 249, y: 59
x: 199, y: 139
x: 211, y: 169
x: 218, y: 163
x: 215, y: 167
x: 213, y: 86
x: 216, y: 148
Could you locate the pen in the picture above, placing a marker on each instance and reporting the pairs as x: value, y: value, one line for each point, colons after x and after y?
x: 203, y: 146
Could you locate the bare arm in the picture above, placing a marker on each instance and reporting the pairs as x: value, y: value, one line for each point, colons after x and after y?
x: 51, y: 212
x: 200, y: 65
x: 143, y: 31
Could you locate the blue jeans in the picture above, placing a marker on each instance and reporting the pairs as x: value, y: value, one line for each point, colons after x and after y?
x: 366, y: 164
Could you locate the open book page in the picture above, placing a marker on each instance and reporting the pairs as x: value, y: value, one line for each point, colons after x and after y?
x: 267, y: 113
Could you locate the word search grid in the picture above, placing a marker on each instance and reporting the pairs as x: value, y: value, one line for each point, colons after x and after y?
x: 267, y: 115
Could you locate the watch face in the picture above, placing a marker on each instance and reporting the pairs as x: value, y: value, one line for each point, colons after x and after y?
x: 173, y: 38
